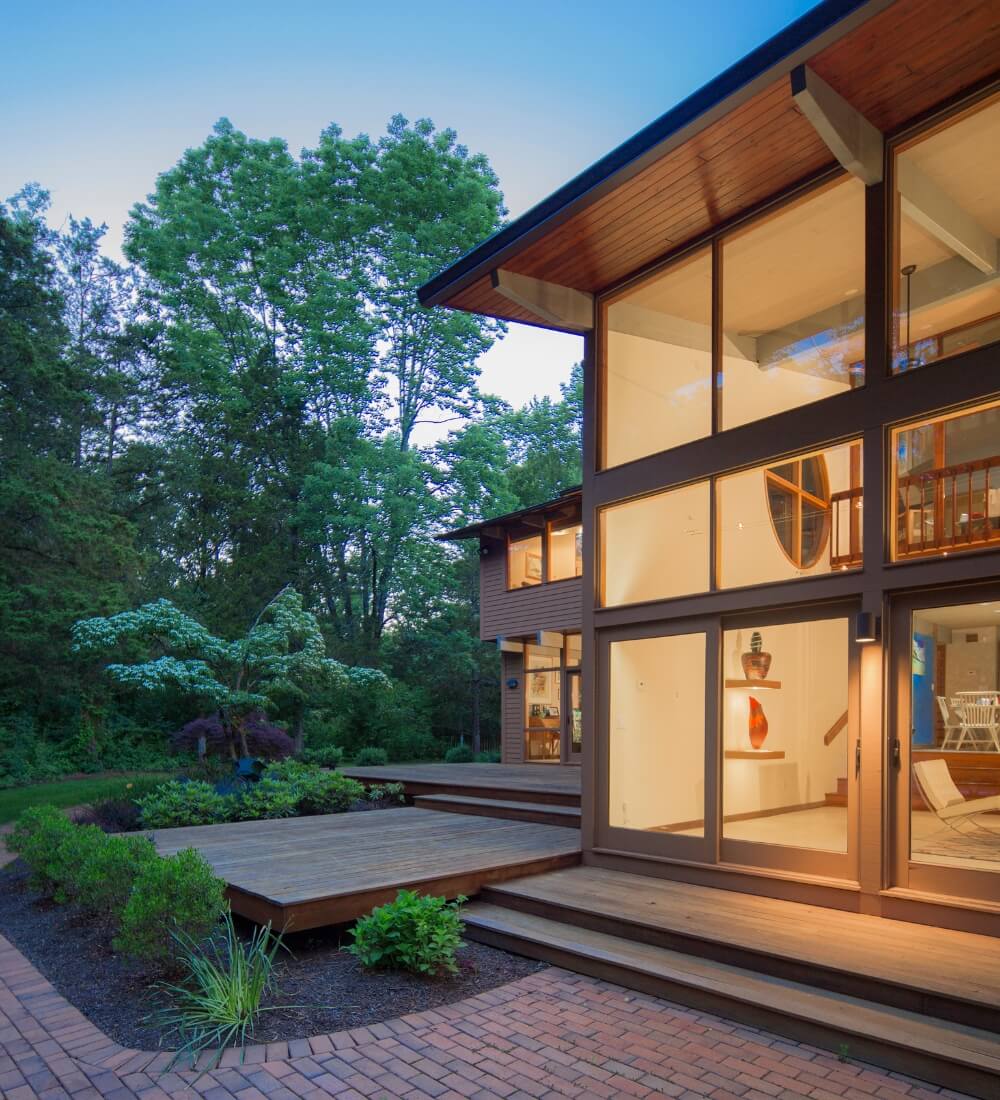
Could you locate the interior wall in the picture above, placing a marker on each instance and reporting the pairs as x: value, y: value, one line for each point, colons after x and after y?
x: 657, y: 731
x: 750, y: 393
x: 810, y: 660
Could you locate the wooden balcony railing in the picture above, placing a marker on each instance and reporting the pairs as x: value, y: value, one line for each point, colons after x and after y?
x: 845, y: 528
x: 953, y: 508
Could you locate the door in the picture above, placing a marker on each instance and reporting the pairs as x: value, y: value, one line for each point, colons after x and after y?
x: 790, y: 748
x: 945, y: 747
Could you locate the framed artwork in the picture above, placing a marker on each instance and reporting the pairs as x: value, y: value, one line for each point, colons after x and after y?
x: 542, y: 686
x: 533, y: 566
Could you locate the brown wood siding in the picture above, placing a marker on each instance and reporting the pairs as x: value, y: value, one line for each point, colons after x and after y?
x: 512, y: 710
x: 503, y: 614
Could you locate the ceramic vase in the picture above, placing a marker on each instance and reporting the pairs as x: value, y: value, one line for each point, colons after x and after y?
x: 756, y: 664
x: 758, y: 724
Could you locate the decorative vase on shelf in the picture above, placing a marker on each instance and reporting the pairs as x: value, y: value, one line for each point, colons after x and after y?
x: 756, y: 664
x: 758, y: 724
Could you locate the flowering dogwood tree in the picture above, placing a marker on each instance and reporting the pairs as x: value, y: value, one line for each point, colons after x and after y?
x: 280, y: 662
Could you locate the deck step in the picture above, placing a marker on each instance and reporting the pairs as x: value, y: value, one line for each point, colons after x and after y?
x: 537, y: 812
x: 949, y: 1054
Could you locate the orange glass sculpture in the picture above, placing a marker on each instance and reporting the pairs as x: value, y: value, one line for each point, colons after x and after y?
x: 758, y: 724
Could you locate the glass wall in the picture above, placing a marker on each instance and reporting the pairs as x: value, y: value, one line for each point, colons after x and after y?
x: 785, y: 739
x: 656, y: 547
x: 947, y: 484
x: 657, y: 734
x: 947, y: 194
x: 542, y: 704
x: 658, y: 362
x: 795, y: 518
x: 955, y: 746
x: 793, y: 294
x: 565, y: 550
x: 524, y: 561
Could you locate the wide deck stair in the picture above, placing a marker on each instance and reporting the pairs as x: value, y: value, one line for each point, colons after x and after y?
x: 917, y: 1000
x: 537, y: 812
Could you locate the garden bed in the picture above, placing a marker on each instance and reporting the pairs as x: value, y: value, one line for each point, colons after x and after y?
x: 320, y: 987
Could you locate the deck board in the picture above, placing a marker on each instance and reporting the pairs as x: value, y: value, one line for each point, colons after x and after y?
x: 552, y: 783
x: 304, y: 872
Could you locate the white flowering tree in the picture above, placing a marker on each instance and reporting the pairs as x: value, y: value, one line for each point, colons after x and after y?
x: 280, y: 662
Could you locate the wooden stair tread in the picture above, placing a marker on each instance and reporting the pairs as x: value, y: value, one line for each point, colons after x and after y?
x: 499, y: 803
x: 958, y: 966
x: 893, y: 1027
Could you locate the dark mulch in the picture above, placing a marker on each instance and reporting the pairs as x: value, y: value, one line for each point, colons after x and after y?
x: 334, y: 992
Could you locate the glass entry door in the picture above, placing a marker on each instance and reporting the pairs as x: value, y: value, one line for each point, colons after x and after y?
x: 573, y: 732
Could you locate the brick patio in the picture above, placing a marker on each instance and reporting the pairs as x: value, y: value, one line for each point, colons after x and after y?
x: 553, y: 1034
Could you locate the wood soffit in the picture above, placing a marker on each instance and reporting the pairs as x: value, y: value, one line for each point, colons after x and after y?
x: 894, y: 67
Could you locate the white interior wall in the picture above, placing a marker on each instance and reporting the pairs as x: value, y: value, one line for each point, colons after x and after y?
x: 657, y: 731
x: 749, y: 393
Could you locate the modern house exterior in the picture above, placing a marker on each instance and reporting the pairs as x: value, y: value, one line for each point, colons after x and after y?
x: 531, y: 606
x: 788, y: 288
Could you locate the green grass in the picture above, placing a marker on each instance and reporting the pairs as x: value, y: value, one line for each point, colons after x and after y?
x: 65, y: 792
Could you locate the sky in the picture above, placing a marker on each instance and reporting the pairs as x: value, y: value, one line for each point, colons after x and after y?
x: 98, y: 97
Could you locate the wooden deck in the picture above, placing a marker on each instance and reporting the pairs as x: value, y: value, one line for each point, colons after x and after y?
x: 306, y: 872
x: 555, y: 784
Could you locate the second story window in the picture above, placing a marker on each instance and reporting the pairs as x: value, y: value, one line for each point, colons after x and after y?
x: 524, y: 561
x: 546, y: 546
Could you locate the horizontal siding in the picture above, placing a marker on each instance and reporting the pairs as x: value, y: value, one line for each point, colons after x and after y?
x: 504, y: 614
x: 512, y: 710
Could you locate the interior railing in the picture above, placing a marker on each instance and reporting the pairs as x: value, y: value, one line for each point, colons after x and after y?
x: 952, y: 508
x: 845, y: 534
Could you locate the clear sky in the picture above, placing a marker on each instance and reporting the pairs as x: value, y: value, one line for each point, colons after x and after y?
x: 98, y: 97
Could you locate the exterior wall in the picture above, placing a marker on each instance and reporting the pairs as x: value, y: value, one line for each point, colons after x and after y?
x: 512, y: 709
x: 554, y: 606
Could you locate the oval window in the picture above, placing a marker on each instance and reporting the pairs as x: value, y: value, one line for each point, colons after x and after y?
x: 798, y: 502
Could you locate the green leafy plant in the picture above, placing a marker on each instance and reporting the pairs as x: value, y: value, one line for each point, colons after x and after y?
x: 415, y: 933
x: 70, y: 856
x: 488, y: 758
x: 458, y: 754
x: 220, y: 997
x: 266, y: 800
x: 329, y: 756
x: 36, y: 837
x: 387, y: 792
x: 372, y: 757
x: 177, y: 804
x: 109, y: 873
x: 314, y: 789
x: 177, y: 893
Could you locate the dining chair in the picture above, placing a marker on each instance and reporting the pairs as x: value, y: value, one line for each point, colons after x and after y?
x: 984, y: 719
x: 952, y: 722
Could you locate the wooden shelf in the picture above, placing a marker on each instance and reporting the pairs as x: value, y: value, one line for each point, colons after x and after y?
x: 753, y: 754
x: 770, y: 685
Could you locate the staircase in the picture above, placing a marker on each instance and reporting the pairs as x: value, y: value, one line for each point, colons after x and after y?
x: 537, y: 812
x: 854, y: 984
x: 839, y: 796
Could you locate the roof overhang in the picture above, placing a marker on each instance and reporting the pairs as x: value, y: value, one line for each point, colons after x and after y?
x: 731, y: 146
x: 496, y: 527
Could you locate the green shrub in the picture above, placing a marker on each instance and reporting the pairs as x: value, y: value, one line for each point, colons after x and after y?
x: 176, y: 804
x: 66, y: 864
x: 372, y: 757
x: 316, y: 790
x: 414, y: 933
x: 393, y: 793
x: 36, y: 837
x: 109, y: 873
x: 174, y: 894
x: 266, y: 800
x: 458, y: 754
x: 405, y: 745
x: 329, y: 756
x: 488, y: 758
x: 219, y: 999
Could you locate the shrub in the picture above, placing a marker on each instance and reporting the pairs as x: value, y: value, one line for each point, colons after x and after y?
x: 488, y: 758
x: 36, y: 838
x: 108, y: 875
x: 458, y: 754
x: 267, y: 799
x: 316, y: 790
x: 372, y: 757
x: 175, y: 894
x: 66, y: 863
x: 263, y: 737
x: 392, y: 794
x: 409, y: 744
x: 217, y: 1003
x: 414, y: 933
x: 119, y: 812
x: 175, y: 804
x: 329, y: 756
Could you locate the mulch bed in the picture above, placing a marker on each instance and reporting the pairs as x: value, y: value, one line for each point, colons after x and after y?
x: 320, y: 987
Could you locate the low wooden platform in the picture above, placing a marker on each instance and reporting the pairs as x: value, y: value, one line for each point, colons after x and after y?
x: 554, y: 784
x: 306, y: 872
x: 537, y: 812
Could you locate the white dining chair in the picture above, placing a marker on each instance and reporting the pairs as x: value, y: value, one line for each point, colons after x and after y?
x: 981, y: 725
x: 952, y: 722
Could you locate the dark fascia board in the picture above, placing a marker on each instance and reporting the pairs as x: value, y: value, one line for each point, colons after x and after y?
x: 785, y: 49
x: 475, y: 529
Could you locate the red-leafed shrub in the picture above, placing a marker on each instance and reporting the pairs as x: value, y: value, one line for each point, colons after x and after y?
x: 263, y: 738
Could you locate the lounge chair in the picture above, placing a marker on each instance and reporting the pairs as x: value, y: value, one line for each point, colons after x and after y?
x: 949, y: 804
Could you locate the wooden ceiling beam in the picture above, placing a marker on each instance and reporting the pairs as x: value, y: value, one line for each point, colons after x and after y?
x: 560, y: 306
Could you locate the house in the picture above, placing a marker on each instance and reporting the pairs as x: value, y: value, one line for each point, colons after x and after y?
x: 788, y: 288
x: 531, y: 605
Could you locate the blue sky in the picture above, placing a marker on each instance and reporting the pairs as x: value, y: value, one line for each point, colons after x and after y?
x: 99, y: 97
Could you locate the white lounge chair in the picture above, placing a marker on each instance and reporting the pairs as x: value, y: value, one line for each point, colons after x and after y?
x: 949, y: 804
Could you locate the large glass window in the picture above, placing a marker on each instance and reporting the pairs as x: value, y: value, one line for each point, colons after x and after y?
x: 565, y: 550
x: 955, y: 747
x: 948, y: 220
x: 793, y: 293
x: 947, y: 484
x: 524, y: 561
x: 542, y: 702
x: 657, y: 734
x: 785, y: 740
x: 658, y: 367
x: 656, y: 547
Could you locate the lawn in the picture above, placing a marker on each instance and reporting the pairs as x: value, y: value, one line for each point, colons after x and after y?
x: 65, y: 792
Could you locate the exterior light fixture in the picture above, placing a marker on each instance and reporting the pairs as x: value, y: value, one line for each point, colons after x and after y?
x: 512, y: 683
x: 867, y: 627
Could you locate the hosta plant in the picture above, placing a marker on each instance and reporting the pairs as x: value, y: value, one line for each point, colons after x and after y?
x: 415, y: 933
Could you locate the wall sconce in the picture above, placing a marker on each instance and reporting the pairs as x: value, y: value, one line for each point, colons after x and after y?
x: 867, y: 627
x: 512, y: 683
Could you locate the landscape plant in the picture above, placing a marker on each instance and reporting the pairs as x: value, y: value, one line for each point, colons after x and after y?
x: 459, y: 754
x: 416, y: 933
x: 36, y: 837
x: 176, y: 804
x: 109, y: 873
x: 328, y: 756
x: 265, y: 800
x: 371, y: 757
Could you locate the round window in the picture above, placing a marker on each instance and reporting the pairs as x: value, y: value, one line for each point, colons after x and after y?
x: 798, y: 502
